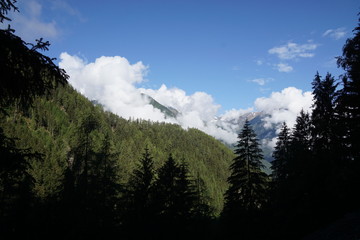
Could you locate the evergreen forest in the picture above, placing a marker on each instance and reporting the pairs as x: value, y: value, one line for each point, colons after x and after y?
x: 70, y: 169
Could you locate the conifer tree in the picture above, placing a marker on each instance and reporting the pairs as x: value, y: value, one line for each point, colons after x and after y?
x: 103, y: 183
x: 202, y: 208
x: 185, y: 192
x: 300, y: 149
x: 323, y: 115
x: 296, y: 194
x: 174, y: 192
x: 349, y: 106
x: 281, y: 156
x: 140, y: 187
x: 247, y: 182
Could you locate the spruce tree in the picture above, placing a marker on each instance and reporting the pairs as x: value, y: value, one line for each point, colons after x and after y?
x: 175, y: 193
x: 349, y: 111
x: 349, y: 99
x: 323, y: 115
x: 300, y: 150
x: 281, y: 156
x: 185, y: 192
x: 296, y: 196
x: 247, y: 182
x: 140, y: 187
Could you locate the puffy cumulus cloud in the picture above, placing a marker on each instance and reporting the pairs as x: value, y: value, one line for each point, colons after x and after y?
x: 284, y: 106
x: 30, y: 26
x: 281, y: 107
x: 293, y: 50
x: 112, y: 81
x: 335, y: 33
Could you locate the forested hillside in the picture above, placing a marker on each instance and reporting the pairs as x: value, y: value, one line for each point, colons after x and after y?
x: 51, y: 128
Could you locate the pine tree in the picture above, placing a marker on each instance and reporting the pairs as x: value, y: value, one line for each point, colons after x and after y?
x: 296, y: 199
x: 202, y: 208
x: 175, y: 194
x: 350, y: 97
x: 185, y: 192
x: 323, y: 117
x: 281, y: 156
x: 103, y: 184
x: 348, y: 106
x: 300, y: 150
x: 247, y: 182
x: 140, y: 187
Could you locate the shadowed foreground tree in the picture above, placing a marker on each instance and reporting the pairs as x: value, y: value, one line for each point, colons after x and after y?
x: 248, y: 183
x: 281, y: 157
x: 25, y: 73
x: 140, y: 190
x: 349, y: 111
x: 174, y: 194
x: 247, y: 192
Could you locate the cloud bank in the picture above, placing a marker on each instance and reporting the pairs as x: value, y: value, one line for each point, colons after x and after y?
x: 113, y: 81
x: 284, y: 106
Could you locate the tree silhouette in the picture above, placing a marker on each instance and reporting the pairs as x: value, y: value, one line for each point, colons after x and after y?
x: 323, y: 115
x: 281, y: 156
x: 140, y: 188
x: 349, y: 106
x: 25, y: 74
x: 247, y: 182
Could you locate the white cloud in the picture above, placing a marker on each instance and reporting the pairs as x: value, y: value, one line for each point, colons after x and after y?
x: 335, y: 33
x: 284, y: 106
x: 261, y: 81
x: 293, y: 50
x: 284, y: 67
x: 29, y: 25
x: 281, y: 107
x: 112, y: 81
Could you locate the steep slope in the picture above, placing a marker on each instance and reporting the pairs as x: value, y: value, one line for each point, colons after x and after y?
x: 169, y: 112
x: 51, y: 127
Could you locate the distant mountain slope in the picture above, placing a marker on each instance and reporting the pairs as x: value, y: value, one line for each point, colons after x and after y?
x: 232, y: 125
x: 51, y: 126
x: 169, y: 112
x: 265, y: 135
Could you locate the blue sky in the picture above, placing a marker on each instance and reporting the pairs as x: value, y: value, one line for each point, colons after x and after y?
x: 220, y: 47
x: 208, y: 59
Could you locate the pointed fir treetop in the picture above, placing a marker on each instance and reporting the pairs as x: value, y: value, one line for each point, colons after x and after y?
x: 247, y: 182
x: 281, y: 154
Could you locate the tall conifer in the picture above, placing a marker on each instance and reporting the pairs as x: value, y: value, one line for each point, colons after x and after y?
x: 247, y: 182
